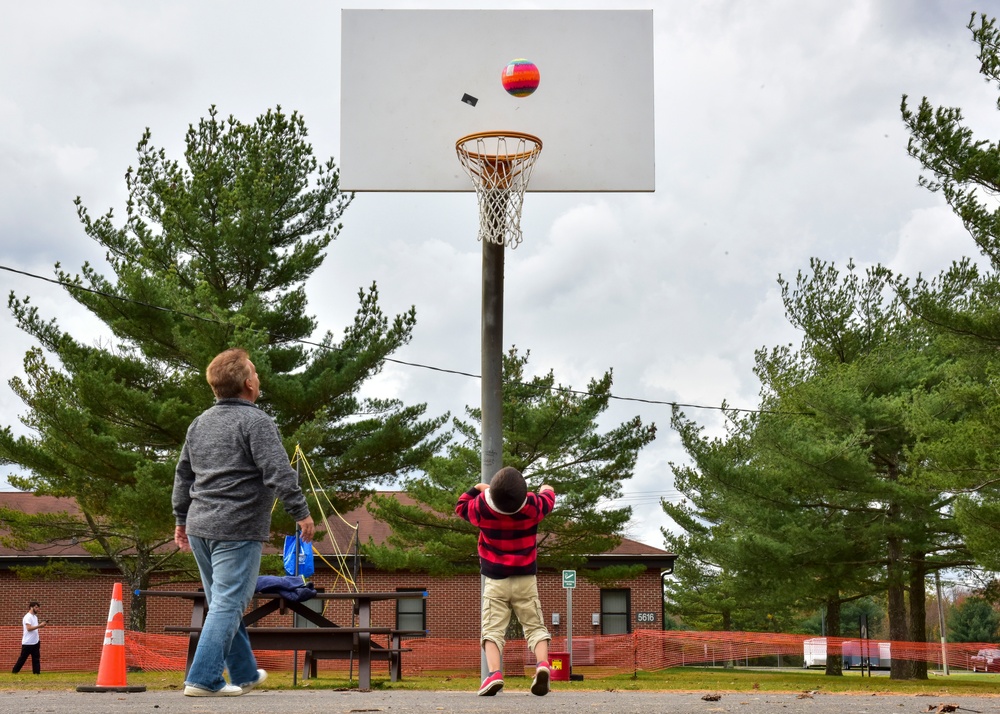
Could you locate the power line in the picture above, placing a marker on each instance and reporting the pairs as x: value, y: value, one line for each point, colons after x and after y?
x: 648, y: 498
x: 418, y: 365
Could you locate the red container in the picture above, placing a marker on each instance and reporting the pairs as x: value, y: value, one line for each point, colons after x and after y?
x: 559, y: 666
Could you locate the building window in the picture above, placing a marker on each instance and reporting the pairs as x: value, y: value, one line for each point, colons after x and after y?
x: 616, y: 606
x: 411, y: 612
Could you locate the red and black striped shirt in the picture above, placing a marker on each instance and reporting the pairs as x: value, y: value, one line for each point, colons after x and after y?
x: 507, y: 541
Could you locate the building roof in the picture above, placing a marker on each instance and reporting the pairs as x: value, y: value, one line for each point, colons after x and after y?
x: 367, y: 525
x: 32, y: 504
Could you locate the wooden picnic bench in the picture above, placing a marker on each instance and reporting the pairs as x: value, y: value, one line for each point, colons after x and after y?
x: 325, y: 640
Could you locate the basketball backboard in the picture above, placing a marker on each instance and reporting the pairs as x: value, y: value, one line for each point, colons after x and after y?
x: 413, y: 82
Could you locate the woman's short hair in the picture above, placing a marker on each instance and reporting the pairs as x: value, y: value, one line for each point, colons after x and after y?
x: 228, y: 372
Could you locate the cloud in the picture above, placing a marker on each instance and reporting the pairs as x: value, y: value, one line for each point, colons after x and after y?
x: 929, y: 241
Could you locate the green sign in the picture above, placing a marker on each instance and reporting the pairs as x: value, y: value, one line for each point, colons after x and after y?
x: 569, y: 578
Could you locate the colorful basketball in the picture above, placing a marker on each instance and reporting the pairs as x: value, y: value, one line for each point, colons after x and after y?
x: 520, y: 78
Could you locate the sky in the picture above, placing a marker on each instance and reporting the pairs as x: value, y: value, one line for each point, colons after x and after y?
x: 778, y: 138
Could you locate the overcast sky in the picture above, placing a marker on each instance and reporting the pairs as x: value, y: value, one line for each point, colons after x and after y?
x: 778, y: 138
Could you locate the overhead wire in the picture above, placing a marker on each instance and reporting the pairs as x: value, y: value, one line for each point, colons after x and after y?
x: 634, y: 498
x: 418, y: 365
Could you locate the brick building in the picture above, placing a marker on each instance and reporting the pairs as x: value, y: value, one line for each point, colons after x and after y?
x: 450, y: 611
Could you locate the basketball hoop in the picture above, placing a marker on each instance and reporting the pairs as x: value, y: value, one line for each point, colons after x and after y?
x: 499, y: 163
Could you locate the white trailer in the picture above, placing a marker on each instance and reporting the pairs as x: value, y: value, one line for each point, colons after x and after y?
x: 814, y: 652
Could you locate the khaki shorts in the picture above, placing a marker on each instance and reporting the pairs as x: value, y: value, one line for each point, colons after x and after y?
x: 517, y: 594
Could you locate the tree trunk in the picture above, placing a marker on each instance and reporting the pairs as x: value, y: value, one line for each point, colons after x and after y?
x: 727, y: 626
x: 918, y: 612
x: 834, y: 662
x: 137, y: 609
x: 137, y: 576
x: 896, y: 596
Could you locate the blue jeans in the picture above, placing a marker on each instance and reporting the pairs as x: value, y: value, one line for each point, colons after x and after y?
x: 229, y: 570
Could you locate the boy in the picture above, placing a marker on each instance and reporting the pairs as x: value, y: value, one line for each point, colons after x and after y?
x: 507, y: 517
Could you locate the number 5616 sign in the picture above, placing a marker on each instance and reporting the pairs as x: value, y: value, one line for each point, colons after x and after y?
x: 645, y: 617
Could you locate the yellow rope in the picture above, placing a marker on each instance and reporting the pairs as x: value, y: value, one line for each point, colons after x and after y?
x: 341, y: 568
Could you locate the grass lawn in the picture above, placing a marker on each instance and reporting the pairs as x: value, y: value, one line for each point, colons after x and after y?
x: 696, y: 679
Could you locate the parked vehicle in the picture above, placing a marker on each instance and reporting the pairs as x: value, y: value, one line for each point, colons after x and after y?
x: 814, y: 652
x: 877, y: 654
x: 985, y: 661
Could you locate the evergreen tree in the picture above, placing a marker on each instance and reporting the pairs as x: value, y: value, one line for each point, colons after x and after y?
x: 965, y: 299
x: 818, y: 498
x: 974, y: 620
x: 214, y: 252
x: 899, y: 420
x: 966, y: 171
x: 551, y: 436
x: 721, y: 579
x: 882, y: 386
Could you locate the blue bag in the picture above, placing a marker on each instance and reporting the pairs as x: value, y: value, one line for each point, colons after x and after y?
x: 305, y: 564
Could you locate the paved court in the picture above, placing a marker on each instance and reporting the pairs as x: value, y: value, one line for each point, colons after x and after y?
x: 399, y: 702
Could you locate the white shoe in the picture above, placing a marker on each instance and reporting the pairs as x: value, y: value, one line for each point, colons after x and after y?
x: 229, y: 690
x: 261, y: 676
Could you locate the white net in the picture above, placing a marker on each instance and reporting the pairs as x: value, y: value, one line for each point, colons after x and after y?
x: 499, y: 164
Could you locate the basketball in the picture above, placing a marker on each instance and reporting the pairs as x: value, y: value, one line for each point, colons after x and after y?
x: 520, y: 78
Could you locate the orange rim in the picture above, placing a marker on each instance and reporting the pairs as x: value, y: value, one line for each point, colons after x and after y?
x: 508, y: 158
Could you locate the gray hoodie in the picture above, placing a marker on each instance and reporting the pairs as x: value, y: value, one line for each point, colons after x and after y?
x: 232, y: 467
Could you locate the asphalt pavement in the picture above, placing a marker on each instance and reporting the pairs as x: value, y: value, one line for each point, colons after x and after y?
x: 561, y: 702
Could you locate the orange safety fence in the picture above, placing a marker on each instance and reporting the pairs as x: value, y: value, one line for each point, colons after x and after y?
x: 79, y: 649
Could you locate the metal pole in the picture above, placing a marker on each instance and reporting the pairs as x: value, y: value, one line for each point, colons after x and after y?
x: 492, y: 373
x: 295, y: 568
x: 569, y: 628
x: 354, y: 578
x: 944, y: 638
x: 492, y: 360
x: 865, y: 652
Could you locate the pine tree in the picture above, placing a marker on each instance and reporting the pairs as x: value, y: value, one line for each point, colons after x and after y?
x: 974, y: 620
x: 551, y: 435
x: 966, y: 171
x: 214, y: 252
x: 819, y: 498
x: 964, y: 300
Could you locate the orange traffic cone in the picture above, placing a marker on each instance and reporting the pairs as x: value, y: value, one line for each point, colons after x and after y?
x: 111, y: 673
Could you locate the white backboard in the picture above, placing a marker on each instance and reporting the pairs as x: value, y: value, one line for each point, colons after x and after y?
x: 415, y: 81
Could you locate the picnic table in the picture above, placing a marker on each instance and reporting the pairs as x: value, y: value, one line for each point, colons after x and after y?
x: 326, y: 640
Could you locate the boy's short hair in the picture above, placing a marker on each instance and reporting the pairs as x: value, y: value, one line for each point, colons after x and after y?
x: 508, y: 489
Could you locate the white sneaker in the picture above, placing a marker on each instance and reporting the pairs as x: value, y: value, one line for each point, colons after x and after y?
x: 229, y: 690
x: 261, y: 676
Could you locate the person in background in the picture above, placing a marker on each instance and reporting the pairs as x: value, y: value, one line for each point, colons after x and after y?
x: 232, y: 467
x: 31, y: 645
